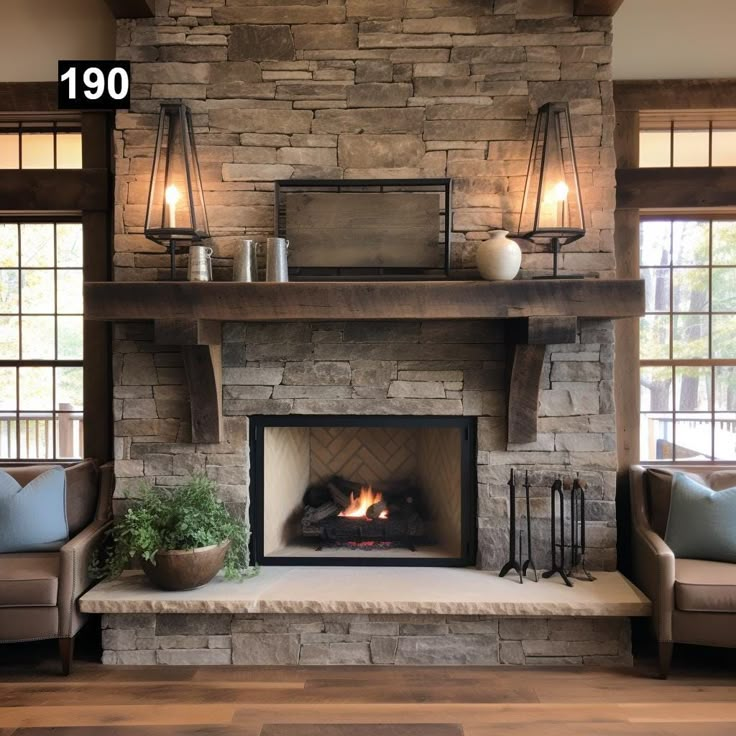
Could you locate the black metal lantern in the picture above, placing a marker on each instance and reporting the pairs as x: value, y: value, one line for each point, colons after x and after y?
x: 176, y: 215
x: 552, y: 210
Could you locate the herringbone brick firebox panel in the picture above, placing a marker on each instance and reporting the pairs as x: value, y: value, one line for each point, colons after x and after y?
x: 371, y: 455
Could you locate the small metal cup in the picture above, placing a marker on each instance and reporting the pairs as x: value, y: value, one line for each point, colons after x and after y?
x: 245, y: 263
x: 277, y: 267
x: 200, y: 263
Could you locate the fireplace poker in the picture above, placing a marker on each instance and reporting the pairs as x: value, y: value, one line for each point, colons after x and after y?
x: 513, y: 563
x: 529, y: 562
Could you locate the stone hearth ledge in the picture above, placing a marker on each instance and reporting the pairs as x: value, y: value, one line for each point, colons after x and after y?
x: 405, y: 590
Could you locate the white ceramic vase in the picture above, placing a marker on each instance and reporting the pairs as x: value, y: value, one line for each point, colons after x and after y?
x: 499, y: 257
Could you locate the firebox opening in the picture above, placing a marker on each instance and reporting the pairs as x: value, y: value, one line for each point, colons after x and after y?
x: 363, y: 490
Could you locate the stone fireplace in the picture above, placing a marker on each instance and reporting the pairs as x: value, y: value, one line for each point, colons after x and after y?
x: 370, y: 89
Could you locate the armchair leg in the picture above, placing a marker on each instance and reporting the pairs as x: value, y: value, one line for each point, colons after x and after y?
x: 665, y: 658
x: 66, y: 651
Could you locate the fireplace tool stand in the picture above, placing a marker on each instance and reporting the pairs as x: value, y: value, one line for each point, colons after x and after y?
x: 577, y: 532
x: 529, y: 562
x: 557, y: 494
x: 513, y: 563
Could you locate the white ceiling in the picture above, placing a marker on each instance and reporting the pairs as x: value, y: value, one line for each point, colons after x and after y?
x: 674, y: 39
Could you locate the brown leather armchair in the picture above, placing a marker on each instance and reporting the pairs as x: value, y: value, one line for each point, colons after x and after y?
x: 39, y: 590
x: 693, y: 601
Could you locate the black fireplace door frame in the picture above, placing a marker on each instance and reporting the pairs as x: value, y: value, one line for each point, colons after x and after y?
x: 469, y: 495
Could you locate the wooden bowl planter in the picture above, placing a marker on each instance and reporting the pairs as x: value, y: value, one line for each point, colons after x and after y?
x: 186, y: 569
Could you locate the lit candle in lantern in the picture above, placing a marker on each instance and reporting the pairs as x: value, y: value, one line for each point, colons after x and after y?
x: 172, y: 197
x: 558, y: 194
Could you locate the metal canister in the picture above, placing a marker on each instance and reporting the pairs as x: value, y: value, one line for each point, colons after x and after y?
x: 277, y: 267
x: 245, y: 263
x: 200, y: 263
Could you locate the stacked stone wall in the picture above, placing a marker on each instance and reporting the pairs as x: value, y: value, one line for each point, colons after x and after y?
x: 356, y: 639
x: 387, y: 368
x: 366, y: 89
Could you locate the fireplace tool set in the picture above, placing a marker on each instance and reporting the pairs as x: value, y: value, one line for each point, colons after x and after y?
x: 514, y: 563
x: 568, y: 558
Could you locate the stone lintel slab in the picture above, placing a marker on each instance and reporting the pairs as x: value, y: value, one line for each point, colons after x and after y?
x: 401, y: 590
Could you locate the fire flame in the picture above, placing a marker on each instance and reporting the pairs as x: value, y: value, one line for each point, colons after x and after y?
x: 359, y: 505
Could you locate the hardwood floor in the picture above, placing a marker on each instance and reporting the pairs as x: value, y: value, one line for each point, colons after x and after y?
x: 698, y: 700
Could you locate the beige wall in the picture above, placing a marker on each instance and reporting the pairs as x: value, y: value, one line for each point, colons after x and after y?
x: 674, y: 39
x: 35, y: 34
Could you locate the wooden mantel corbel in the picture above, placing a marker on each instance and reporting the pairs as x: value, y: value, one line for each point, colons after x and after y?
x: 201, y: 352
x: 529, y: 339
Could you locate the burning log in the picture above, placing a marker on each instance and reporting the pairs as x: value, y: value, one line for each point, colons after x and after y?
x: 337, y: 495
x: 311, y: 530
x: 347, y: 486
x: 361, y: 502
x: 321, y: 512
x: 349, y: 512
x: 401, y: 497
x: 312, y: 518
x: 316, y: 495
x: 336, y: 489
x: 374, y: 511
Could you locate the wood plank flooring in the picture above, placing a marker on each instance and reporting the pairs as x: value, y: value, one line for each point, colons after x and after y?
x: 698, y: 700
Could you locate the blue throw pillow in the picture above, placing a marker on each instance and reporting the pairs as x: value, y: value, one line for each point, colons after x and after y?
x: 33, y: 517
x: 702, y: 522
x: 9, y: 486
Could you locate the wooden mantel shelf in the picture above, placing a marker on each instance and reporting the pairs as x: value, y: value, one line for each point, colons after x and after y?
x: 359, y: 300
x: 539, y: 313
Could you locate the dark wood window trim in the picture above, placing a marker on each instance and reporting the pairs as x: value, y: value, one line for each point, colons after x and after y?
x: 86, y: 193
x: 656, y: 190
x: 683, y: 191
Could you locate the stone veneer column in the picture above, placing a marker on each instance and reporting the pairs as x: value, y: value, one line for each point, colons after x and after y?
x: 370, y: 88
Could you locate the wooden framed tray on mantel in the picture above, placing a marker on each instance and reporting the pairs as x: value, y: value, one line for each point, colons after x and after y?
x: 189, y: 314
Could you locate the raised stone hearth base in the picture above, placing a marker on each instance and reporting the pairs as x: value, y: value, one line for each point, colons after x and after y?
x: 349, y: 639
x: 340, y: 615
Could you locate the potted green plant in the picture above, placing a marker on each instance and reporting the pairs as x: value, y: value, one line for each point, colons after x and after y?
x: 183, y: 537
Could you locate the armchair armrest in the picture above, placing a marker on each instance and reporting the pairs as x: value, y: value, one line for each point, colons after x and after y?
x: 654, y: 561
x: 74, y: 577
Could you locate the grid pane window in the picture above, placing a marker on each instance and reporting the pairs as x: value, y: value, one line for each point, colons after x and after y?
x: 41, y: 339
x: 40, y: 146
x: 690, y: 147
x: 724, y: 148
x: 688, y: 340
x: 667, y: 144
x: 9, y: 150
